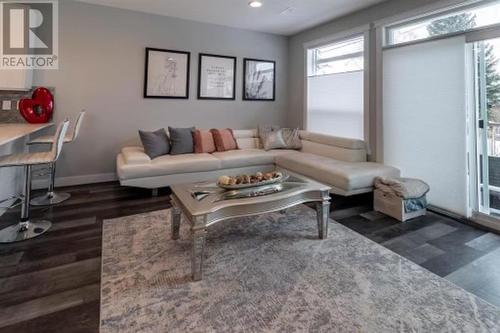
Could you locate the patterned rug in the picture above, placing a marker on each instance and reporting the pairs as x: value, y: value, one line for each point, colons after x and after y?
x: 272, y: 274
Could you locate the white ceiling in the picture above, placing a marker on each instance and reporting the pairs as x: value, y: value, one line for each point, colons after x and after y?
x: 284, y: 17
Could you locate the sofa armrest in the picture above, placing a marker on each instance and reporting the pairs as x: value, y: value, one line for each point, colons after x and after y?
x: 135, y: 155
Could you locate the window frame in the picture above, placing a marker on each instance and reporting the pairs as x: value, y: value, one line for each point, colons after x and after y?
x: 310, y: 65
x: 366, y: 31
x: 458, y: 9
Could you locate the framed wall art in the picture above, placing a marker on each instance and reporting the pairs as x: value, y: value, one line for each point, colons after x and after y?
x: 259, y: 80
x: 166, y: 74
x: 216, y: 77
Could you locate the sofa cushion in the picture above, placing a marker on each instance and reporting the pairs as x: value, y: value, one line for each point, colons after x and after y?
x: 264, y: 130
x: 171, y: 164
x: 203, y: 141
x: 337, y: 153
x: 181, y: 140
x: 243, y: 158
x: 245, y: 133
x: 292, y: 138
x: 155, y: 143
x: 280, y: 152
x: 274, y: 140
x: 346, y: 176
x: 224, y: 139
x: 331, y: 140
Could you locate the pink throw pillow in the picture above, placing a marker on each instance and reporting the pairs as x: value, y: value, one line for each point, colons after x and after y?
x: 224, y: 139
x: 203, y: 141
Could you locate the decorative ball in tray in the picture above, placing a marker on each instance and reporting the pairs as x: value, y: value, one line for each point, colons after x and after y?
x: 246, y: 181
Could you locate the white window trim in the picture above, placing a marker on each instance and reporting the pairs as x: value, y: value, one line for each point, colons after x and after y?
x: 492, y: 29
x: 363, y: 30
x: 422, y: 11
x: 426, y: 13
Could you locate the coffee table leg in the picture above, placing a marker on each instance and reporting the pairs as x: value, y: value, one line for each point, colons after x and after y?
x: 199, y: 236
x: 322, y: 215
x: 176, y: 222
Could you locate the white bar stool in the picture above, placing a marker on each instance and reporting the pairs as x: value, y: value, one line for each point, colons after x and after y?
x: 52, y: 197
x: 27, y: 228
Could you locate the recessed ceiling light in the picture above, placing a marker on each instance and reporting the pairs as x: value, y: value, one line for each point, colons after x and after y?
x: 255, y: 3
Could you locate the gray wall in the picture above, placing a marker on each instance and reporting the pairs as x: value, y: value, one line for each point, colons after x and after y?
x: 102, y: 70
x: 296, y: 46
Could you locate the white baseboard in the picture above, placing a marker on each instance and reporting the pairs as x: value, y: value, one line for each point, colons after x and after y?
x: 76, y: 180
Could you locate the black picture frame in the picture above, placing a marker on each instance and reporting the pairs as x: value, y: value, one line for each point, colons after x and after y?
x: 200, y: 59
x: 246, y: 94
x: 186, y: 72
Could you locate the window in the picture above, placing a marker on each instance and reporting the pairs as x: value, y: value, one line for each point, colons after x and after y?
x: 453, y: 21
x: 335, y: 88
x: 341, y: 57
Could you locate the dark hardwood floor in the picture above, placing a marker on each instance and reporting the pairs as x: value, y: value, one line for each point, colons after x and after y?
x: 51, y: 284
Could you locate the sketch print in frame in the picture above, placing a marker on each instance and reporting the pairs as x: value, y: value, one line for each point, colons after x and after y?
x: 216, y: 77
x: 259, y: 80
x: 166, y: 74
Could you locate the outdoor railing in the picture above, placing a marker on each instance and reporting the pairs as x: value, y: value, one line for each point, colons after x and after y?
x: 494, y: 139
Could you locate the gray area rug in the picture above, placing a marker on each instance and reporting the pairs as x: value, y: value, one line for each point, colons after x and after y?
x: 272, y: 274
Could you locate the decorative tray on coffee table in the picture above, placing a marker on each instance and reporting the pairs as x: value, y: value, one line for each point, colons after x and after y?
x: 252, y: 181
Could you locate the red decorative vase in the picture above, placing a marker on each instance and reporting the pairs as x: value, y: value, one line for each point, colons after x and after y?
x: 39, y: 108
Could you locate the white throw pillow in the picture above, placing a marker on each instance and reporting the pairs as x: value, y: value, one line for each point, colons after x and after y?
x: 274, y: 140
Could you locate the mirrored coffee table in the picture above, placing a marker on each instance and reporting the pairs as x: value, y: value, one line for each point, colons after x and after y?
x: 204, y: 204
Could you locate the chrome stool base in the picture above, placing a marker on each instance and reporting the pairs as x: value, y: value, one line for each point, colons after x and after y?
x: 24, y: 231
x: 50, y: 198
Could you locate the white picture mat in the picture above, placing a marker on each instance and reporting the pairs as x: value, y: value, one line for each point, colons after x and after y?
x: 167, y: 74
x: 217, y: 77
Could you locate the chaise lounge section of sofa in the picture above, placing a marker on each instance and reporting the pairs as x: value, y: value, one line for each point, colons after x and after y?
x: 338, y: 162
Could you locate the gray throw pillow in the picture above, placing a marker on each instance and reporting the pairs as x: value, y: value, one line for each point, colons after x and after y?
x: 274, y: 140
x: 155, y: 143
x: 292, y: 138
x: 264, y: 130
x: 181, y: 140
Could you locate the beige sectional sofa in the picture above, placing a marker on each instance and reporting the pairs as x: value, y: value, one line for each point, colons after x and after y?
x: 338, y: 162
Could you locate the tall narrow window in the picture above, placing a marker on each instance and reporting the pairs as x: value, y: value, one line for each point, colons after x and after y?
x: 335, y: 88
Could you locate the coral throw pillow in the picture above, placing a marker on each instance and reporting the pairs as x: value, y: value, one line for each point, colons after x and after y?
x: 224, y: 139
x: 203, y: 142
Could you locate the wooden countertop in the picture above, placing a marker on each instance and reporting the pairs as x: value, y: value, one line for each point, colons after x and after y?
x: 11, y: 132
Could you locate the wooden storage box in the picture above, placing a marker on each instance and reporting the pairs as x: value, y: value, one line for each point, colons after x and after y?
x: 393, y: 206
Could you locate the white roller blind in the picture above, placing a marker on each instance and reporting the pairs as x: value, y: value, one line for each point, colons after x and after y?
x: 335, y: 104
x: 424, y: 118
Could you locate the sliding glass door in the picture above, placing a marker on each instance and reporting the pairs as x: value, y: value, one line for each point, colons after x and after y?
x: 486, y: 125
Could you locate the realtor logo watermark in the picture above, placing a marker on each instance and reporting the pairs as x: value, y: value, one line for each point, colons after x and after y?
x: 29, y: 34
